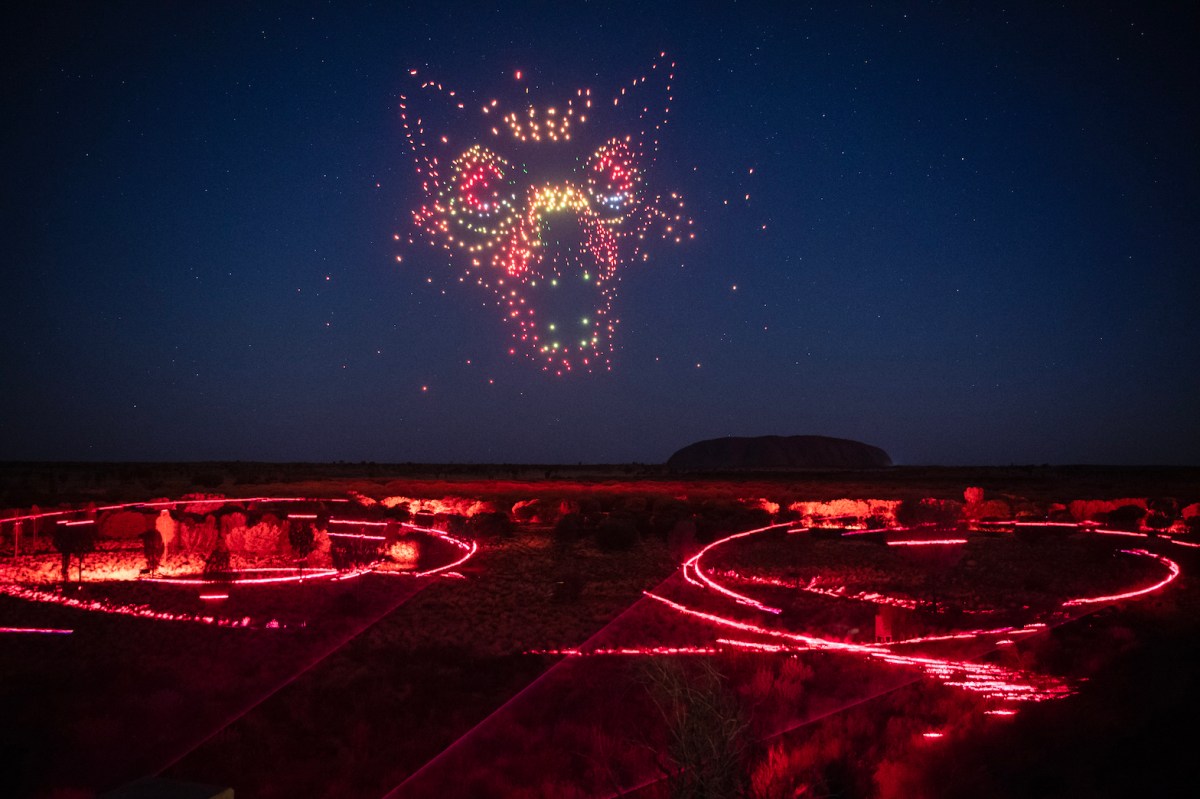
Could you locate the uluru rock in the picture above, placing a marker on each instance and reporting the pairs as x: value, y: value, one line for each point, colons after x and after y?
x: 778, y: 452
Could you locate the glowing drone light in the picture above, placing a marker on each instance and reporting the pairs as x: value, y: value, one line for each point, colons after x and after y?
x: 550, y: 252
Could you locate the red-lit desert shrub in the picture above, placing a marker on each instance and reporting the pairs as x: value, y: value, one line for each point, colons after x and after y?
x: 525, y: 511
x: 265, y: 537
x: 197, y: 535
x: 538, y: 511
x: 779, y: 773
x: 352, y: 553
x: 124, y: 524
x: 942, y: 512
x: 1089, y: 510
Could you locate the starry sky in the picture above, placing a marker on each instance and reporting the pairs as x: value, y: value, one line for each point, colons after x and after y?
x: 969, y: 235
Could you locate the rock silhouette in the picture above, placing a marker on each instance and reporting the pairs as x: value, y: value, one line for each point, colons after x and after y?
x: 778, y: 452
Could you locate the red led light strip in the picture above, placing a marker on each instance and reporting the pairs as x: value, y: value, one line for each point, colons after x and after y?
x: 987, y: 679
x: 35, y: 630
x: 1172, y: 569
x: 292, y: 577
x: 468, y: 549
x: 926, y: 542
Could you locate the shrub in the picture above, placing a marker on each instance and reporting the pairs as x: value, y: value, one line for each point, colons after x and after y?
x: 453, y: 523
x: 928, y: 511
x: 491, y: 525
x: 1126, y: 517
x: 1162, y: 513
x: 300, y: 537
x: 616, y: 533
x: 568, y: 529
x: 666, y: 513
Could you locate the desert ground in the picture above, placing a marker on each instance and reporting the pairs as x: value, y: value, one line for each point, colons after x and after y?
x: 515, y: 630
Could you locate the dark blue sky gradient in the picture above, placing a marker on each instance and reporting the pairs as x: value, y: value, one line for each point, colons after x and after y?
x: 980, y: 247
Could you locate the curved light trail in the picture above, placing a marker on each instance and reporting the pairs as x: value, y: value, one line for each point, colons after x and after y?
x: 252, y: 577
x: 993, y: 681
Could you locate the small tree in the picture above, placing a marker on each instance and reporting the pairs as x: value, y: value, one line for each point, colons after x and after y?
x: 301, y: 538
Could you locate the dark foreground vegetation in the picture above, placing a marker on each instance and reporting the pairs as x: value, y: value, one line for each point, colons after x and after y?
x: 444, y: 688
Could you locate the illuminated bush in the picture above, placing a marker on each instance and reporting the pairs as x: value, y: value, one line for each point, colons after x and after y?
x: 125, y: 524
x: 941, y: 512
x: 353, y: 553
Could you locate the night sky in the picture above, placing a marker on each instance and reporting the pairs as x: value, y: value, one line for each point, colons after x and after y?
x: 970, y: 237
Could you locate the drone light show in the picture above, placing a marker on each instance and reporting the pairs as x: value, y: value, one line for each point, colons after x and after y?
x: 545, y: 205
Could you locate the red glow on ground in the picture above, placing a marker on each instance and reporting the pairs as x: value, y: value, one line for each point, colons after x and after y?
x: 694, y: 563
x: 926, y: 542
x: 127, y: 609
x: 1172, y: 569
x: 259, y: 576
x: 293, y: 576
x: 987, y: 679
x: 35, y: 630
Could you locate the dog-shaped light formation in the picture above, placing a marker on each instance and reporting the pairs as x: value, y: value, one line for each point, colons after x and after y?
x: 550, y: 248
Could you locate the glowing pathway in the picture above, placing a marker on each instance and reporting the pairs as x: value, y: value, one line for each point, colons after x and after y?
x: 995, y: 682
x: 251, y: 577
